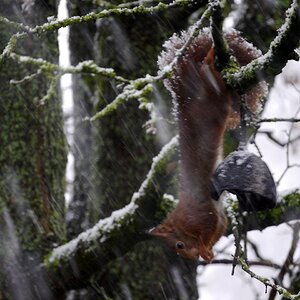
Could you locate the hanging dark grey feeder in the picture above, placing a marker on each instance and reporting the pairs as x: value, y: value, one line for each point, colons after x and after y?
x: 247, y: 176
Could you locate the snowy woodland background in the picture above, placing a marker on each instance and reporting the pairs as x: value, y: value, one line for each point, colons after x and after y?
x: 87, y: 167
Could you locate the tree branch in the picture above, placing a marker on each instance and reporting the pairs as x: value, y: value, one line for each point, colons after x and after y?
x: 288, y: 209
x: 270, y: 120
x: 239, y: 256
x: 85, y: 67
x: 71, y: 265
x: 282, y: 291
x: 142, y: 86
x: 289, y: 259
x: 259, y: 263
x: 220, y: 44
x: 55, y: 24
x: 270, y: 64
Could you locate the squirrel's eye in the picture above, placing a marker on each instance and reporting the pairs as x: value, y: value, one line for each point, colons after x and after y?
x: 180, y: 245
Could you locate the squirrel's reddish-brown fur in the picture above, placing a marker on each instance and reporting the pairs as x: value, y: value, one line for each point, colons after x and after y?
x: 204, y: 107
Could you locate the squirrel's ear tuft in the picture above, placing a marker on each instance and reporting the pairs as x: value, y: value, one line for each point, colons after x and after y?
x: 159, y: 231
x: 210, y: 57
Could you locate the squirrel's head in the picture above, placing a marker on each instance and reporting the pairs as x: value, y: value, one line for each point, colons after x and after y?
x: 184, y: 245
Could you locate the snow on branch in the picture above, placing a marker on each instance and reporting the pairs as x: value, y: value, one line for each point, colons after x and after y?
x: 53, y: 24
x: 72, y: 264
x: 140, y: 87
x: 135, y: 89
x: 14, y: 24
x: 85, y: 67
x: 269, y: 65
x: 106, y: 4
x: 281, y: 49
x: 105, y: 13
x: 267, y: 282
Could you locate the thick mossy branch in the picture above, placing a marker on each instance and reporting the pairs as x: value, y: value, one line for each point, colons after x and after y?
x: 288, y: 209
x: 280, y: 51
x: 72, y: 265
x: 220, y: 45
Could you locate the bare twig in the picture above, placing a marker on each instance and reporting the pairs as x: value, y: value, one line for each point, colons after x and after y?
x: 288, y: 164
x: 231, y: 212
x: 269, y: 120
x: 260, y: 263
x: 289, y: 259
x: 270, y: 135
x: 255, y: 249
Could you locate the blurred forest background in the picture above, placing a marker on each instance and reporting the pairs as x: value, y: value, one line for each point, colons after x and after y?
x: 112, y: 156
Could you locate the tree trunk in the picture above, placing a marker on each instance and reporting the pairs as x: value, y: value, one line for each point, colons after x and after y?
x: 113, y: 155
x: 32, y: 159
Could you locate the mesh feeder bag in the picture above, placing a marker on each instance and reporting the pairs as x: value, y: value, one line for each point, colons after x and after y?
x: 248, y: 177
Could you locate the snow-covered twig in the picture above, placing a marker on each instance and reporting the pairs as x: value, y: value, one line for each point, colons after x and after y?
x: 267, y: 282
x: 85, y: 67
x: 138, y: 86
x: 232, y: 212
x: 55, y: 24
x: 129, y: 92
x: 17, y: 25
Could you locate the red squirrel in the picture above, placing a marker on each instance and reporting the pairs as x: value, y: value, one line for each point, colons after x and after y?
x: 205, y: 107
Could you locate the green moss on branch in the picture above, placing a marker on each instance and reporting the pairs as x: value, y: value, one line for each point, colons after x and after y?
x: 270, y: 64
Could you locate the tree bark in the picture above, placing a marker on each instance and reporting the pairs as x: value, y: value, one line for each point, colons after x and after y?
x: 32, y: 159
x: 117, y: 147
